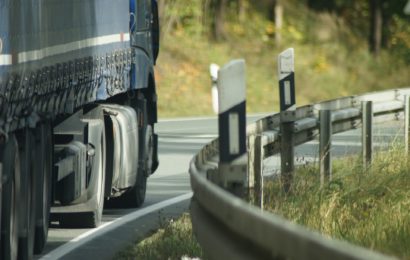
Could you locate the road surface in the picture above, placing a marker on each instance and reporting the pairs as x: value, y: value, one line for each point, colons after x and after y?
x: 168, y: 190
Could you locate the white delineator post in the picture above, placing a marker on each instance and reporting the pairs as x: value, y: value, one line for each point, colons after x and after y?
x: 213, y: 71
x: 232, y: 126
x: 286, y: 73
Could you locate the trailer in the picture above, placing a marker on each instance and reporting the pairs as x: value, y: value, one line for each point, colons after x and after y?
x: 78, y: 108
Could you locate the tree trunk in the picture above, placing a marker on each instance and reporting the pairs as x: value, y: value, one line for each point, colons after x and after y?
x: 161, y: 8
x: 218, y: 28
x: 276, y: 16
x: 376, y: 26
x: 278, y: 22
x: 242, y: 10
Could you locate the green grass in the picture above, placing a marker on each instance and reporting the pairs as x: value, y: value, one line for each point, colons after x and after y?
x: 369, y: 208
x: 173, y: 241
x: 331, y: 61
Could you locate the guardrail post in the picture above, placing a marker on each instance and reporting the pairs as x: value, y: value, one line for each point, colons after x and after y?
x: 286, y: 69
x: 232, y: 127
x: 407, y: 124
x: 367, y: 132
x: 251, y: 162
x: 258, y: 171
x: 325, y: 143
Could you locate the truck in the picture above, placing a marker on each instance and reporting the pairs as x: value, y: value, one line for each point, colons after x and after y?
x: 78, y: 108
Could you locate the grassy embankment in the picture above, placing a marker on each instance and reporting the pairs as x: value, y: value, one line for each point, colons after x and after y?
x: 331, y: 61
x: 370, y: 208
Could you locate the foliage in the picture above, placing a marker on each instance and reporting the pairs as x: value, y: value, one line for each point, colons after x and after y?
x: 400, y: 39
x: 370, y: 208
x: 332, y: 60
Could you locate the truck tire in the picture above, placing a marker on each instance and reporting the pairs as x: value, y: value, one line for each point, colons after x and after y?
x: 27, y: 205
x: 10, y: 195
x: 44, y: 151
x: 92, y: 218
x: 135, y: 197
x: 149, y: 151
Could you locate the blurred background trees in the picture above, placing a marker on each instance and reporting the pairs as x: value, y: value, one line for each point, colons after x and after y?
x: 343, y: 47
x: 380, y: 21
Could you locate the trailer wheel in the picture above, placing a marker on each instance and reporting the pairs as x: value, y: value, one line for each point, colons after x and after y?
x: 10, y: 196
x: 28, y: 192
x: 44, y: 151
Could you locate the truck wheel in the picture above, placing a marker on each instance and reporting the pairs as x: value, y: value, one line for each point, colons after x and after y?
x: 93, y: 218
x: 149, y: 151
x: 10, y: 196
x: 136, y: 196
x: 28, y: 192
x: 44, y: 150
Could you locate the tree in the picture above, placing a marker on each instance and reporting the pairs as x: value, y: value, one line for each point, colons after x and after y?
x: 242, y: 7
x: 276, y: 16
x: 218, y: 9
x: 376, y: 26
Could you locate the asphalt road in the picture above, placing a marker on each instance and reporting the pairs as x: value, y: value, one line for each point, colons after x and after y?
x: 179, y: 141
x: 168, y: 190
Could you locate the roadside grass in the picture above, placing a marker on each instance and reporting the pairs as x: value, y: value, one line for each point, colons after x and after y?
x: 174, y: 240
x: 367, y: 207
x: 331, y: 61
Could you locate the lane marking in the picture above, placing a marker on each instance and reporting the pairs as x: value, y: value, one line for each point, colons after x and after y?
x: 109, y: 226
x: 191, y: 141
x: 347, y: 143
x: 187, y: 119
x: 184, y: 136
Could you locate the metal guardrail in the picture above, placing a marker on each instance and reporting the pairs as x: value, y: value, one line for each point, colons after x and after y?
x: 227, y: 227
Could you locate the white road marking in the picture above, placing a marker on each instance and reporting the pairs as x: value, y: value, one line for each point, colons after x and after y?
x: 188, y: 119
x: 108, y: 226
x: 187, y: 140
x: 347, y: 143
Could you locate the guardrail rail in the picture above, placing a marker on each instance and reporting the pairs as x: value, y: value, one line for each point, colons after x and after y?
x: 227, y: 227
